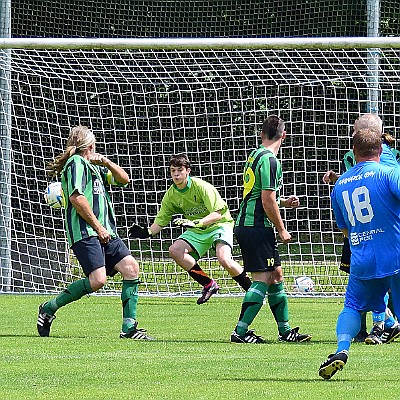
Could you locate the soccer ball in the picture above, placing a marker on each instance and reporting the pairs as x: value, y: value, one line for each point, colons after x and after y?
x: 303, y: 284
x: 54, y: 195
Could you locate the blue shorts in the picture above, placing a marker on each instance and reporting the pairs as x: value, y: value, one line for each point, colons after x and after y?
x: 92, y: 255
x: 367, y: 294
x: 259, y: 248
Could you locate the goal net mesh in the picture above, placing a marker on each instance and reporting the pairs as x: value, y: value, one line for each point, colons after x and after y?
x: 144, y: 106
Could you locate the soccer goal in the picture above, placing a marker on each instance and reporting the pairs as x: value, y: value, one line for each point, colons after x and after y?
x: 148, y: 99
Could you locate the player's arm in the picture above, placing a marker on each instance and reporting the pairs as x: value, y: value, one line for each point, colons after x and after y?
x: 202, y: 223
x: 271, y: 208
x: 83, y: 208
x: 117, y: 172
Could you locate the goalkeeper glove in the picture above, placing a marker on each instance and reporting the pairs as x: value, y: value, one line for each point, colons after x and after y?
x: 187, y: 223
x: 138, y: 232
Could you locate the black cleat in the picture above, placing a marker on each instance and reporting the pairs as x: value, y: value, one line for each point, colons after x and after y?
x: 249, y: 337
x: 294, y: 336
x: 136, y: 334
x: 375, y: 336
x: 44, y: 322
x: 334, y: 363
x: 360, y: 337
x: 390, y: 334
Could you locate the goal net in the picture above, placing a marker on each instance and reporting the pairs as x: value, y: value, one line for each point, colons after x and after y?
x: 145, y: 105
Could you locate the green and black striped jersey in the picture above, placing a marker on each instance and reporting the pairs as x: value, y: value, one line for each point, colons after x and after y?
x: 262, y: 171
x: 89, y: 180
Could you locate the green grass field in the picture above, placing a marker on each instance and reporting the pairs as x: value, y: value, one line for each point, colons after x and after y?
x: 191, y: 359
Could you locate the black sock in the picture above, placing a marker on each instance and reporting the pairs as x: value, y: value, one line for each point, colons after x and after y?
x: 199, y: 275
x: 243, y: 280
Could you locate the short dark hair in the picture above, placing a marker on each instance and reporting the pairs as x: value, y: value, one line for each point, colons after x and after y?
x: 273, y: 127
x: 367, y: 143
x: 179, y: 160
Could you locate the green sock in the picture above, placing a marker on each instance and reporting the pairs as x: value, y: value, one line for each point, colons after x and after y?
x: 129, y: 298
x: 278, y: 303
x: 72, y: 293
x: 252, y: 302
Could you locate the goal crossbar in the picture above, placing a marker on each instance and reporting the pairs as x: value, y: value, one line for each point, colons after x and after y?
x: 201, y: 43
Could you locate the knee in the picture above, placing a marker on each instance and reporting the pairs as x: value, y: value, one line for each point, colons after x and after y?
x: 130, y: 270
x: 174, y: 252
x: 97, y: 281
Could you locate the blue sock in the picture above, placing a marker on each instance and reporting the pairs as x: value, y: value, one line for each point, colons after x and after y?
x: 347, y: 327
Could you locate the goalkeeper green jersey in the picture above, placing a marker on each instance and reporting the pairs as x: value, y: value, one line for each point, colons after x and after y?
x: 89, y: 180
x: 262, y: 171
x: 197, y: 200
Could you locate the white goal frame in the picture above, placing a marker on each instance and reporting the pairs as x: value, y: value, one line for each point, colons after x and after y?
x: 326, y: 284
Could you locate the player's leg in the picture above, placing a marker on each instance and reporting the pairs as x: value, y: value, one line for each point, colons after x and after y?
x: 235, y: 270
x: 391, y: 333
x: 90, y: 255
x: 279, y: 306
x: 119, y: 259
x: 186, y: 250
x: 345, y: 267
x: 347, y: 326
x: 251, y: 305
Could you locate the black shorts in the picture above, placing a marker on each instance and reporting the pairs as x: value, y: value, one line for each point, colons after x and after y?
x: 346, y: 254
x: 259, y: 248
x: 91, y: 254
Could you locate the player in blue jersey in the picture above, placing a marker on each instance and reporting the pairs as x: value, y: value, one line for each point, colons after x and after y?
x: 366, y: 204
x: 391, y: 328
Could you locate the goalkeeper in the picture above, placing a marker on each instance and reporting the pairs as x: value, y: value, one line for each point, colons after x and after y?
x: 208, y: 222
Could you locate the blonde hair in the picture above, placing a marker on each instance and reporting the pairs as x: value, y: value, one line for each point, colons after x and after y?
x: 79, y: 140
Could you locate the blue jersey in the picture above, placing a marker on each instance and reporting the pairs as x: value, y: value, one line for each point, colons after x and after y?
x: 366, y: 202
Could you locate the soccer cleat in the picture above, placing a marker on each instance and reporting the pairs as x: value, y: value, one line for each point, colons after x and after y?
x: 44, y: 322
x: 249, y: 337
x: 390, y: 334
x: 294, y: 336
x: 136, y: 334
x: 360, y: 337
x: 375, y: 336
x: 334, y: 363
x: 207, y: 292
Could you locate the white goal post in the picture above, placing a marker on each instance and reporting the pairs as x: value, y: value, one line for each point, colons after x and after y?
x: 146, y: 99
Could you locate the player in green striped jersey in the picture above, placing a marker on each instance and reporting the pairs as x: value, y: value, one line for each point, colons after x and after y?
x: 91, y: 230
x: 208, y: 222
x: 254, y: 230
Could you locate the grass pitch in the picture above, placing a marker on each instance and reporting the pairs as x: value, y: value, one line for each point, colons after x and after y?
x: 191, y: 359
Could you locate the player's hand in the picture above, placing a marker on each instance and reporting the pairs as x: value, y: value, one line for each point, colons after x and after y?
x: 187, y: 223
x: 139, y: 232
x: 330, y: 176
x: 291, y: 202
x: 98, y: 159
x: 104, y: 236
x: 285, y: 236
